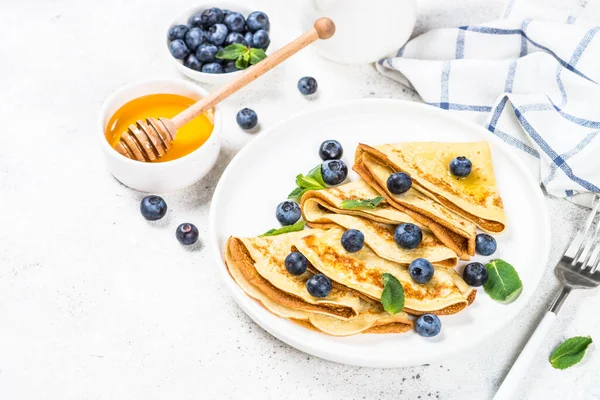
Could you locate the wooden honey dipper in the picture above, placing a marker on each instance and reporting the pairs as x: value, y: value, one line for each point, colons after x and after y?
x: 150, y: 139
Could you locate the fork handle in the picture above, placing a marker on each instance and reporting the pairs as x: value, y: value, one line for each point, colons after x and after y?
x: 519, y: 368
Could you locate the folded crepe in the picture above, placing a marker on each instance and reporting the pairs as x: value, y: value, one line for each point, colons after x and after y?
x: 369, y: 317
x: 445, y: 293
x: 451, y: 229
x: 474, y: 198
x: 323, y: 209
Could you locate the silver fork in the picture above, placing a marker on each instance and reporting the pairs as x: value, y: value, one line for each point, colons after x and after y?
x: 577, y: 269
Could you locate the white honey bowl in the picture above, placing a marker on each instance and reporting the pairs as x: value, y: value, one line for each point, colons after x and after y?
x: 159, y: 177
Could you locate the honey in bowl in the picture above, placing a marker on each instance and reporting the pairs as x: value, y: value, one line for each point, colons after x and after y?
x: 189, y: 137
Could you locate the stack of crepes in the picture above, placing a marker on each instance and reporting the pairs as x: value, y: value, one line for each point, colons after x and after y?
x: 447, y: 210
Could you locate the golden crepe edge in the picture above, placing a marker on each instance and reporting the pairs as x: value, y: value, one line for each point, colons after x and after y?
x: 464, y: 247
x: 320, y: 209
x: 482, y: 206
x: 371, y: 319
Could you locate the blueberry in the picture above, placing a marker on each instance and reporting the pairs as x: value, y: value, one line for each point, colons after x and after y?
x: 153, y: 208
x: 246, y: 118
x: 178, y: 49
x: 226, y: 13
x: 485, y: 244
x: 177, y: 32
x: 475, y: 274
x: 217, y: 34
x: 212, y: 68
x: 288, y: 212
x: 235, y: 22
x: 428, y: 325
x: 192, y: 62
x: 211, y: 17
x: 260, y: 40
x: 235, y: 37
x: 248, y: 38
x: 399, y: 182
x: 307, y: 85
x: 331, y: 150
x: 258, y: 20
x: 408, y: 236
x: 421, y: 270
x: 460, y: 167
x: 353, y: 240
x: 334, y: 172
x: 187, y: 234
x: 206, y: 52
x: 195, y: 21
x: 296, y: 263
x: 230, y: 67
x: 318, y: 285
x: 194, y: 38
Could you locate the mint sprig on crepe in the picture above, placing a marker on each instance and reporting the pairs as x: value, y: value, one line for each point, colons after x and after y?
x: 311, y: 181
x: 570, y: 352
x: 392, y: 297
x: 503, y: 284
x: 369, y: 204
x: 298, y: 226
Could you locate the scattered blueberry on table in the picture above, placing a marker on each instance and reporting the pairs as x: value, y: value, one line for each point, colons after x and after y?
x: 288, y: 212
x: 246, y: 118
x: 353, y: 240
x: 428, y: 325
x: 331, y: 150
x: 408, y: 236
x: 399, y: 182
x: 307, y: 85
x: 296, y: 263
x: 215, y: 29
x: 485, y: 244
x: 461, y: 167
x: 153, y: 207
x: 421, y: 270
x: 318, y: 285
x: 187, y: 234
x: 334, y: 172
x: 475, y: 274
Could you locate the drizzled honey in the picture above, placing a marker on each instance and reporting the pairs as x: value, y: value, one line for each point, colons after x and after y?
x: 189, y: 137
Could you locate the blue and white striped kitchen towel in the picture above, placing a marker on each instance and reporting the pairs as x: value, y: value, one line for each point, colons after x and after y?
x: 531, y: 79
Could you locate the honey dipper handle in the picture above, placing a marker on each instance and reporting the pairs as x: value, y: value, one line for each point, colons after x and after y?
x: 324, y: 28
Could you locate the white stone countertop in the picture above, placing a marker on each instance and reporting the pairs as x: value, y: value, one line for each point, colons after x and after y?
x: 95, y: 303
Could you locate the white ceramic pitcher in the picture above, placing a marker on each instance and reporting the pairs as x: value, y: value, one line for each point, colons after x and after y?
x: 366, y: 30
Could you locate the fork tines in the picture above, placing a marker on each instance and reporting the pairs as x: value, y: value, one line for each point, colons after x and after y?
x: 583, y: 251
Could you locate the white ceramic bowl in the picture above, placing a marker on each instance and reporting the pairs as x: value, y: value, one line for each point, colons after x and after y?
x: 215, y: 79
x: 165, y: 176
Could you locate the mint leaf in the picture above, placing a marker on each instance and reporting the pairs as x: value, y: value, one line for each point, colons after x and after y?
x: 240, y: 63
x: 257, y: 55
x: 361, y: 204
x: 392, y: 297
x: 569, y: 352
x: 316, y: 174
x: 297, y: 193
x: 503, y: 282
x: 307, y: 182
x: 232, y: 52
x: 298, y: 226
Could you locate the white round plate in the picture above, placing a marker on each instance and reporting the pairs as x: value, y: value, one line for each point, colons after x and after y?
x: 263, y: 173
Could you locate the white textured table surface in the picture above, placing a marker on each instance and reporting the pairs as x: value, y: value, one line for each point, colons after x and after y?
x: 95, y: 303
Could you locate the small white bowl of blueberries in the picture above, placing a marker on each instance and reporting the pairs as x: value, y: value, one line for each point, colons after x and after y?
x: 213, y: 44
